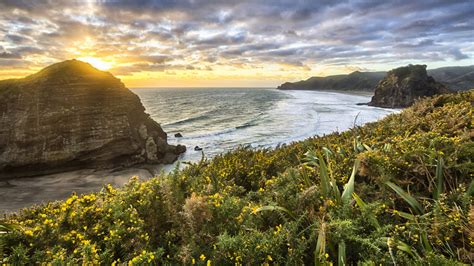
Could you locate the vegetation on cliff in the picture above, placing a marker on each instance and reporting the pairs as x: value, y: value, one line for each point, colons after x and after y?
x: 402, y: 86
x: 397, y: 191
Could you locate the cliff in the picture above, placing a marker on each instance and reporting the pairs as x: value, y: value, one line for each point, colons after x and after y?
x: 71, y: 115
x: 402, y: 86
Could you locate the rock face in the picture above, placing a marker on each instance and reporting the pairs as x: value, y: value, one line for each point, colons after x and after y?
x: 70, y: 116
x: 403, y: 85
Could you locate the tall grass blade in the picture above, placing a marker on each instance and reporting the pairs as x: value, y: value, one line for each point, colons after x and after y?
x: 362, y: 205
x: 320, y: 244
x: 407, y: 249
x: 426, y: 243
x: 6, y: 227
x: 359, y: 201
x: 416, y: 206
x: 439, y: 179
x: 327, y: 151
x: 367, y: 147
x: 324, y: 176
x: 341, y: 254
x: 470, y: 190
x: 311, y: 158
x: 407, y: 216
x: 349, y: 187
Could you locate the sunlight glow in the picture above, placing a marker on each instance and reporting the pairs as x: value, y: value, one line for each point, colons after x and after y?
x: 97, y: 63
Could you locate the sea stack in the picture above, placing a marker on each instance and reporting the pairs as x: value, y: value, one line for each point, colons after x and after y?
x: 71, y: 115
x: 402, y: 86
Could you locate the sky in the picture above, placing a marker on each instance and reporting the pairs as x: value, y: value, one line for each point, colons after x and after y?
x: 233, y: 43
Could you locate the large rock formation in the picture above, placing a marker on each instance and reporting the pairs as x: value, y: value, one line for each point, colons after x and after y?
x: 71, y: 115
x: 403, y: 85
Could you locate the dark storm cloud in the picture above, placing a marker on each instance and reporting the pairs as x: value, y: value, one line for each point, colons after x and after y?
x: 293, y: 32
x: 14, y: 63
x: 5, y: 55
x: 457, y: 54
x: 14, y: 38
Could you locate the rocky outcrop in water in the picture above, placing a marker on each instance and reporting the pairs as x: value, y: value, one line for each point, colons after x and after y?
x: 71, y: 116
x: 402, y: 86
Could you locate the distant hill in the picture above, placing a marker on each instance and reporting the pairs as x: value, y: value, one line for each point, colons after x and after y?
x: 355, y: 81
x: 455, y: 78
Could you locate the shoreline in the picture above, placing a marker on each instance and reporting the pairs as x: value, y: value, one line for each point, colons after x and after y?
x: 59, y: 186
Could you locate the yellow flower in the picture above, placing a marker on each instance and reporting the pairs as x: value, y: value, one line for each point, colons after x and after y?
x: 193, y: 261
x: 254, y: 210
x: 269, y: 258
x: 202, y: 257
x: 208, y: 263
x: 326, y: 255
x: 29, y: 233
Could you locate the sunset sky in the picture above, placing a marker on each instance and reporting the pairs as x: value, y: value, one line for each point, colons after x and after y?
x: 233, y: 43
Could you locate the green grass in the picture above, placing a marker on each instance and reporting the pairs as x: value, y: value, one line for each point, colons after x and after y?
x: 397, y: 191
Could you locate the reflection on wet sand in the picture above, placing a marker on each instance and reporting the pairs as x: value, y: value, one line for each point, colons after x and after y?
x: 24, y: 192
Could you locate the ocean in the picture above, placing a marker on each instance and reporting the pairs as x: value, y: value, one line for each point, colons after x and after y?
x: 217, y: 120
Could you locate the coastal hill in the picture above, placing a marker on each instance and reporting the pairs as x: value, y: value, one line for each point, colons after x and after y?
x: 355, y: 81
x: 402, y: 86
x: 398, y: 191
x: 455, y: 78
x: 69, y: 116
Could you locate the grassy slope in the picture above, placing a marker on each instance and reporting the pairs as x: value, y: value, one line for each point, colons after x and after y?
x: 283, y: 205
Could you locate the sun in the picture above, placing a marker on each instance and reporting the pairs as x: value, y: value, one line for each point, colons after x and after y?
x: 96, y: 62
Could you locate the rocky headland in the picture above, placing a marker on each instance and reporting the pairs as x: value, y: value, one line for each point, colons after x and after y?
x: 72, y: 116
x: 402, y: 86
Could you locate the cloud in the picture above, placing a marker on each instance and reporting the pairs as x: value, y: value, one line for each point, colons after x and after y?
x: 5, y: 55
x: 7, y: 62
x: 457, y: 54
x: 14, y: 38
x: 194, y: 35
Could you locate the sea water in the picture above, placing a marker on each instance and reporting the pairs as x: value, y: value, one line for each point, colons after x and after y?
x: 218, y: 120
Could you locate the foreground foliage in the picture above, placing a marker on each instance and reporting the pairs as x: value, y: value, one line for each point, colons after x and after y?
x: 397, y: 191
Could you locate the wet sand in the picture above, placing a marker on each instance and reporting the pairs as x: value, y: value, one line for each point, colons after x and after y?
x: 26, y: 191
